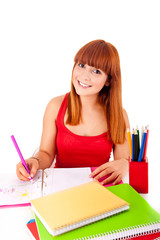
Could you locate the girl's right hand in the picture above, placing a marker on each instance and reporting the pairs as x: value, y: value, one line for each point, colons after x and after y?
x: 33, y: 166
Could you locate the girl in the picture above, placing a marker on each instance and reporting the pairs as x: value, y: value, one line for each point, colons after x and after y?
x: 81, y: 128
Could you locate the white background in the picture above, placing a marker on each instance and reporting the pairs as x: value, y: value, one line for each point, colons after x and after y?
x: 38, y: 41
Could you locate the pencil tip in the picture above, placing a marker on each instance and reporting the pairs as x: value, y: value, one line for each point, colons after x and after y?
x: 31, y: 180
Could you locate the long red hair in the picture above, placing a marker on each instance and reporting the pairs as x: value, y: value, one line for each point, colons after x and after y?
x: 101, y: 55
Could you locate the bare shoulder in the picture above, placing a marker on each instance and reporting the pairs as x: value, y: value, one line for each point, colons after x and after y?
x: 126, y: 118
x: 56, y: 101
x: 53, y: 106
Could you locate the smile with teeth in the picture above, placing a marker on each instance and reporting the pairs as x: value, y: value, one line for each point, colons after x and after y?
x: 83, y: 85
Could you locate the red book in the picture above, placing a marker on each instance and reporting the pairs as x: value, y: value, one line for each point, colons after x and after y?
x: 152, y: 236
x: 32, y: 230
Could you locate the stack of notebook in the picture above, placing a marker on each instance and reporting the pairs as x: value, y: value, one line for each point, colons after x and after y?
x: 139, y: 220
x: 75, y: 207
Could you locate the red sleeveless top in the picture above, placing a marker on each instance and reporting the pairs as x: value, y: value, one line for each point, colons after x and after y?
x: 73, y: 150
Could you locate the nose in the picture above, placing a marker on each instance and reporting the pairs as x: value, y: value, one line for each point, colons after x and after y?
x: 86, y: 75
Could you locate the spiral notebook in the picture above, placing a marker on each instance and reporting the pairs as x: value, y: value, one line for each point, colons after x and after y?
x: 78, y: 206
x: 140, y: 219
x: 33, y: 232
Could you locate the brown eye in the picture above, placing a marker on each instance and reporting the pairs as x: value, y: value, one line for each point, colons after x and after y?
x: 81, y: 65
x: 97, y: 71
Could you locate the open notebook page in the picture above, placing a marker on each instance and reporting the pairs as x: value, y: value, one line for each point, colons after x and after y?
x: 13, y: 191
x: 57, y: 179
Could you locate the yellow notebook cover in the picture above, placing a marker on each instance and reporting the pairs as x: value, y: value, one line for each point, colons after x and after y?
x: 75, y: 207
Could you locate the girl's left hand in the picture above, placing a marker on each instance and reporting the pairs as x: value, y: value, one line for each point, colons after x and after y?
x: 116, y: 169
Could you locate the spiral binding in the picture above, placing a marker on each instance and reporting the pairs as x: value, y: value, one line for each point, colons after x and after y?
x: 45, y: 173
x: 46, y: 176
x: 41, y: 182
x: 126, y: 233
x: 86, y: 221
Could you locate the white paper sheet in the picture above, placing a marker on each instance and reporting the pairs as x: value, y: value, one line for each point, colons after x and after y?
x: 62, y: 178
x: 14, y: 191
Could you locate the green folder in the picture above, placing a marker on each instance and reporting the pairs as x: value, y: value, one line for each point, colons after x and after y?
x: 140, y: 218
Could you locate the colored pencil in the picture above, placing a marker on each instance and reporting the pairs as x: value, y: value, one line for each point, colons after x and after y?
x: 138, y: 140
x: 142, y: 146
x: 129, y: 141
x: 146, y: 144
x: 20, y: 155
x: 142, y: 130
x: 133, y: 144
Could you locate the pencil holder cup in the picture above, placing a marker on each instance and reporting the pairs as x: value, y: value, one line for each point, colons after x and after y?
x: 138, y: 176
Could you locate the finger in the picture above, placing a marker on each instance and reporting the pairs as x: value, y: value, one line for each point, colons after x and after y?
x: 34, y: 168
x: 22, y: 171
x: 109, y: 179
x: 118, y: 179
x: 98, y: 170
x: 102, y: 174
x: 20, y: 176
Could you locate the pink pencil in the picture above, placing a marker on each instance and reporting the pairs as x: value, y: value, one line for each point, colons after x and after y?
x: 20, y: 155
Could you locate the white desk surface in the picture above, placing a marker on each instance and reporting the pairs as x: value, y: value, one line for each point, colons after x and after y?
x: 13, y: 220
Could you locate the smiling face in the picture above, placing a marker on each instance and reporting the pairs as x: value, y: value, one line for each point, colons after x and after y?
x: 88, y: 80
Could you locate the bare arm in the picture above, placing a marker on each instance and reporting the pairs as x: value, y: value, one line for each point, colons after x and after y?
x: 47, y: 148
x: 119, y: 167
x: 45, y: 156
